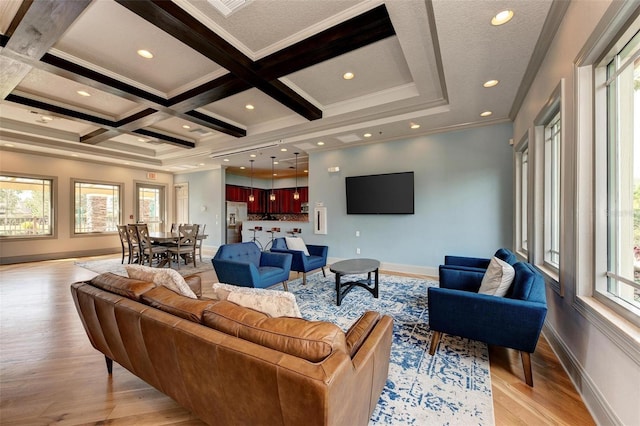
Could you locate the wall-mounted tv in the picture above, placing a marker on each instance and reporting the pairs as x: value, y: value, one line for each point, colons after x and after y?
x: 390, y: 193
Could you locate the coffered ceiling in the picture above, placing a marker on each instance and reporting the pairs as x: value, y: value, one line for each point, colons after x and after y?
x: 73, y: 82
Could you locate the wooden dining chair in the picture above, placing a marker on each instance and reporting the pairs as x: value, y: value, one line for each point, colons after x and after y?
x: 134, y: 244
x: 186, y: 244
x: 148, y: 250
x: 201, y: 229
x: 124, y: 242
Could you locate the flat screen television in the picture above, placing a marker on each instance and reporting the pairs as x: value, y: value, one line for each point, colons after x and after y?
x: 390, y: 193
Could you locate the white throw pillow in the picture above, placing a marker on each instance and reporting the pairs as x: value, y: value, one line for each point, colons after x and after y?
x: 273, y: 302
x: 166, y: 277
x: 296, y: 243
x: 498, y: 278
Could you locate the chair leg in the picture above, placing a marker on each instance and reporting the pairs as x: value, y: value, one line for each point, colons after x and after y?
x: 324, y: 272
x: 109, y: 362
x: 304, y: 278
x: 526, y: 365
x: 435, y: 339
x: 284, y: 284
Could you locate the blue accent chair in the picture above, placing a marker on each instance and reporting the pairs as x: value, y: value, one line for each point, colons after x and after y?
x: 479, y: 264
x: 243, y: 264
x: 514, y: 321
x: 302, y: 263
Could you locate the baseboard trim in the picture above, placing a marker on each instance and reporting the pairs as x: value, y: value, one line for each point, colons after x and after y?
x: 398, y: 267
x: 596, y: 403
x: 56, y: 256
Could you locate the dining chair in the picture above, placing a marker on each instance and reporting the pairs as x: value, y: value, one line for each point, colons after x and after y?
x: 134, y: 244
x: 200, y: 240
x: 148, y: 250
x: 127, y: 246
x: 185, y: 245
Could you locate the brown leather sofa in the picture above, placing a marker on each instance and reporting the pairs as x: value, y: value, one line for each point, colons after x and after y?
x: 231, y: 365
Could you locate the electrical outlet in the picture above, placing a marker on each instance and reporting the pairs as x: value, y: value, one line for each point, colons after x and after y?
x: 358, y: 250
x: 357, y: 233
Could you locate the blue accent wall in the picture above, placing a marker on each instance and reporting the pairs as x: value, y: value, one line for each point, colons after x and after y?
x: 463, y: 197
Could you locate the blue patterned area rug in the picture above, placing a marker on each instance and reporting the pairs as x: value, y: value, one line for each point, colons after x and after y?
x: 453, y: 387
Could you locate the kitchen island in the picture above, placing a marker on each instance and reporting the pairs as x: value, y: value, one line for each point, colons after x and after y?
x: 263, y: 235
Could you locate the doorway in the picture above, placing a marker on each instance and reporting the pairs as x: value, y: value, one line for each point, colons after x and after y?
x: 182, y: 203
x: 150, y: 206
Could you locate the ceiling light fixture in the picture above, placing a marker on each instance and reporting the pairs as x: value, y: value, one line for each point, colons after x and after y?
x: 502, y: 17
x: 251, y: 197
x: 186, y: 126
x: 486, y: 114
x: 145, y: 54
x: 226, y: 160
x: 283, y: 149
x: 348, y: 75
x: 367, y: 135
x: 83, y: 93
x: 320, y: 143
x: 415, y: 126
x: 490, y: 83
x: 272, y: 197
x: 296, y: 194
x: 249, y: 107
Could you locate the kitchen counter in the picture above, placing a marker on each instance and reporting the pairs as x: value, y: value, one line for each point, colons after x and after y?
x: 264, y: 237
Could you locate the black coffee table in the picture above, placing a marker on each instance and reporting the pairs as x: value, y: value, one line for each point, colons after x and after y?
x: 353, y: 267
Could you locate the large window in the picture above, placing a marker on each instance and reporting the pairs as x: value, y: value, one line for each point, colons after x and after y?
x: 622, y: 283
x: 523, y: 184
x: 552, y: 140
x: 96, y: 207
x: 25, y: 206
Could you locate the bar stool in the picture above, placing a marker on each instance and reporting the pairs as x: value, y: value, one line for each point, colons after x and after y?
x: 254, y: 239
x: 272, y: 231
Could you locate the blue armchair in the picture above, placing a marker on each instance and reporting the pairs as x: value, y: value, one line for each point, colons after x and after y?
x: 514, y: 321
x: 302, y: 263
x: 243, y: 264
x: 478, y: 263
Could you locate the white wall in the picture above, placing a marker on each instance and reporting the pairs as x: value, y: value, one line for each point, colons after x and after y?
x: 603, y: 370
x: 65, y: 245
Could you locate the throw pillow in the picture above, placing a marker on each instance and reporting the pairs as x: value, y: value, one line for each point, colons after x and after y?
x: 273, y: 302
x: 166, y: 277
x: 498, y: 278
x: 296, y: 243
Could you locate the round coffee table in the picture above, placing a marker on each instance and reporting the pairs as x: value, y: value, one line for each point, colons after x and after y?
x: 353, y: 267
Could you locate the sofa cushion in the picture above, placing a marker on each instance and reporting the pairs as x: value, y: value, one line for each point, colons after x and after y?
x: 497, y: 279
x: 127, y: 287
x: 169, y: 301
x: 359, y: 331
x: 310, y: 340
x: 296, y: 243
x: 273, y: 302
x: 524, y: 281
x: 161, y: 276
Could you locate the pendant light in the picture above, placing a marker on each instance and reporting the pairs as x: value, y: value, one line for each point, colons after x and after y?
x: 272, y: 197
x: 251, y: 197
x: 296, y: 195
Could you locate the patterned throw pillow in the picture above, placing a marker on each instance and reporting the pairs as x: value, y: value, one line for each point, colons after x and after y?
x: 273, y: 302
x: 164, y: 276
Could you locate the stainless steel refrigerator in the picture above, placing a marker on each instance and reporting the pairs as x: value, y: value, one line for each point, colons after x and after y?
x: 236, y: 215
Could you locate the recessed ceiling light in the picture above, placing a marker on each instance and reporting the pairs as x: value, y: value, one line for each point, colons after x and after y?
x: 249, y: 107
x: 201, y: 164
x: 47, y: 118
x: 186, y: 126
x: 241, y: 167
x: 486, y: 114
x: 320, y: 143
x: 226, y: 159
x: 490, y: 83
x: 283, y: 149
x: 415, y: 126
x: 275, y: 162
x: 348, y: 75
x: 83, y: 93
x: 9, y: 144
x: 253, y: 156
x: 502, y: 17
x: 367, y: 135
x: 141, y: 140
x: 145, y: 54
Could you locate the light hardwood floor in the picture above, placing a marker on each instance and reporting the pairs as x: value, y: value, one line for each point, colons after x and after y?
x: 49, y: 373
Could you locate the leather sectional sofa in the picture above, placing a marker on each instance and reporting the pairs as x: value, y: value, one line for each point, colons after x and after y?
x: 232, y: 365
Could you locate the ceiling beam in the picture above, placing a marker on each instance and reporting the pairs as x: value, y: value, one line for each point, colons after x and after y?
x: 100, y: 135
x: 33, y: 32
x: 178, y: 23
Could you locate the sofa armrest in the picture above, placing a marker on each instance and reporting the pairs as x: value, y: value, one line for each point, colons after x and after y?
x: 194, y: 281
x: 359, y: 330
x: 467, y: 279
x: 494, y: 320
x: 279, y: 260
x: 474, y: 262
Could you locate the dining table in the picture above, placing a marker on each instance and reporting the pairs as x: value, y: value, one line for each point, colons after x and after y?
x: 169, y: 237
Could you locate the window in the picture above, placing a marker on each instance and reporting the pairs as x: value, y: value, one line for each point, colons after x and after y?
x: 522, y: 197
x: 25, y: 206
x: 622, y: 278
x: 552, y: 140
x: 96, y: 207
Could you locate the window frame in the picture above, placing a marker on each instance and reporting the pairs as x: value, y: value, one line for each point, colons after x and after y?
x: 53, y: 187
x: 523, y: 197
x: 73, y: 216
